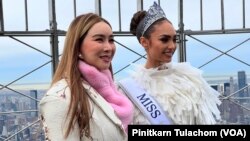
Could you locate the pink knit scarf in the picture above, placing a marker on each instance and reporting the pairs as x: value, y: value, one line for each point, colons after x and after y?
x: 103, y: 83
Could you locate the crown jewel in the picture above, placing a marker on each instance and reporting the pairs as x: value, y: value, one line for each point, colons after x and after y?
x: 154, y: 13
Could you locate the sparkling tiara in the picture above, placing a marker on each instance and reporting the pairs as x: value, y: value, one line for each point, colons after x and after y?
x: 154, y: 13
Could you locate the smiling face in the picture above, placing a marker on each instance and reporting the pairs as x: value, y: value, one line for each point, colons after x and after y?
x: 98, y: 48
x: 161, y: 45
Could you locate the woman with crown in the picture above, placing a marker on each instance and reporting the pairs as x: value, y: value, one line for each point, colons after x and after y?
x: 165, y: 92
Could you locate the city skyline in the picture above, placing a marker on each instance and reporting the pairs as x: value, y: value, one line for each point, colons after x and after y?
x: 209, y: 78
x: 13, y: 122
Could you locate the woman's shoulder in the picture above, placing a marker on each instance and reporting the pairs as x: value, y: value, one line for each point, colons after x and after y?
x: 57, y: 87
x: 186, y: 68
x: 58, y: 91
x: 183, y: 65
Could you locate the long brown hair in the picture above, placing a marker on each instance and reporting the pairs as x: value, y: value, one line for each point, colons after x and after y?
x: 79, y: 108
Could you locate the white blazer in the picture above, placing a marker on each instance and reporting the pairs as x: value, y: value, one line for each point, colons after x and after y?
x: 104, y: 124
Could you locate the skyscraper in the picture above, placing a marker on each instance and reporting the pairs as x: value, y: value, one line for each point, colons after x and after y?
x: 33, y: 103
x: 242, y: 82
x: 231, y: 81
x: 227, y: 88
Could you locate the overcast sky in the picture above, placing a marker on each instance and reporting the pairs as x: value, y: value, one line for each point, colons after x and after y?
x: 17, y: 59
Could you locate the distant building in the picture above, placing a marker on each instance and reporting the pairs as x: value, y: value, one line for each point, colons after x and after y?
x: 232, y: 85
x: 215, y: 87
x: 226, y: 89
x: 231, y: 112
x: 33, y: 103
x: 242, y: 82
x: 1, y: 125
x: 4, y: 132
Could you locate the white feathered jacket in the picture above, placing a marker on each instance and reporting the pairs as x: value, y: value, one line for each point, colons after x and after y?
x: 181, y: 91
x: 104, y: 124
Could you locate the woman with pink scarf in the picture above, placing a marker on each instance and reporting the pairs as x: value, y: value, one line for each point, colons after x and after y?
x: 83, y: 102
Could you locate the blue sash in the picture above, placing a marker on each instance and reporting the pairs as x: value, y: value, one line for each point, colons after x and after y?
x: 147, y: 105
